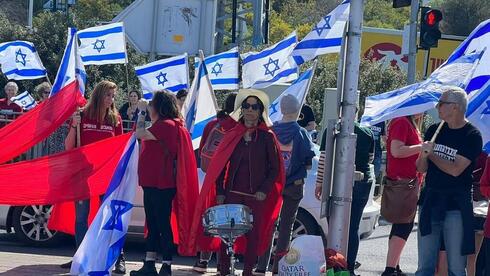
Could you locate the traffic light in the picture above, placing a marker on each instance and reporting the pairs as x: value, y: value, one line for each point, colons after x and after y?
x: 429, y: 27
x: 401, y: 3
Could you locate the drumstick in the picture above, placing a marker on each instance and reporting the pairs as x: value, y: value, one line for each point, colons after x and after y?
x: 433, y: 139
x: 245, y: 194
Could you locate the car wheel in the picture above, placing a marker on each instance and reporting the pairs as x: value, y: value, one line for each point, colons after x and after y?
x: 31, y: 225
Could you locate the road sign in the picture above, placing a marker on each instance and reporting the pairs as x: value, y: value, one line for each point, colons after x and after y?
x: 169, y: 27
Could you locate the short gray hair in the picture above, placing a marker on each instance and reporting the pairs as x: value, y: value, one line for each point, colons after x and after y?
x: 456, y: 95
x: 11, y: 84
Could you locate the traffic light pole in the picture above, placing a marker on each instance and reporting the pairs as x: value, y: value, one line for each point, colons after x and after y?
x: 412, y: 42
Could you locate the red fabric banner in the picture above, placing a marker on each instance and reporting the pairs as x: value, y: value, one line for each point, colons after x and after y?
x: 36, y: 125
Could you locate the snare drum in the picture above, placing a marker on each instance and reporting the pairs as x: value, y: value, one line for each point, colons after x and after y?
x: 226, y: 220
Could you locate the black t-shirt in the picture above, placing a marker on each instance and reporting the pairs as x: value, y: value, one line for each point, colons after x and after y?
x: 465, y: 141
x: 306, y: 116
x: 378, y: 131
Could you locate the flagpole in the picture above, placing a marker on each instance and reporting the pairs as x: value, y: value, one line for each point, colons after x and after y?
x: 127, y: 78
x: 201, y: 56
x: 127, y: 58
x: 47, y: 79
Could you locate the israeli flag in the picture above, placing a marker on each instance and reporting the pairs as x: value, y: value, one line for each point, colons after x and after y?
x: 200, y: 106
x: 223, y: 69
x: 326, y: 36
x: 24, y: 100
x: 103, y: 44
x: 272, y: 65
x: 171, y: 74
x: 299, y: 89
x: 477, y: 41
x: 105, y: 238
x: 420, y: 97
x: 20, y: 61
x: 478, y: 113
x: 71, y: 67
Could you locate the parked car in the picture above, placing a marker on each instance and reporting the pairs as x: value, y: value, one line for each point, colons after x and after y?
x: 30, y: 222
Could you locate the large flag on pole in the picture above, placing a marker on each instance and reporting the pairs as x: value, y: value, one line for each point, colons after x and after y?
x: 478, y: 113
x: 326, y: 36
x: 223, y: 69
x: 103, y: 44
x: 171, y: 74
x: 270, y: 66
x: 299, y: 89
x: 105, y: 237
x: 420, y: 97
x: 200, y: 106
x: 20, y: 61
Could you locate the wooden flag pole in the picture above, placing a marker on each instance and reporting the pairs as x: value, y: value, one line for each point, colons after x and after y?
x: 439, y: 127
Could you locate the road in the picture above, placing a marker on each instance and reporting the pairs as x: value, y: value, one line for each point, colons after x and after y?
x: 18, y: 260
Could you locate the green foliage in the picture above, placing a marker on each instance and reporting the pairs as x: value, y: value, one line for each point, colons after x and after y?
x: 461, y: 17
x: 381, y: 14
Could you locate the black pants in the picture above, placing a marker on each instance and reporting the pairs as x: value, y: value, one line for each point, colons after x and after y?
x: 158, y: 208
x: 483, y: 260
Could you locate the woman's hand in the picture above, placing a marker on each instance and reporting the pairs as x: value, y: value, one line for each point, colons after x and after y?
x: 76, y: 119
x: 142, y: 105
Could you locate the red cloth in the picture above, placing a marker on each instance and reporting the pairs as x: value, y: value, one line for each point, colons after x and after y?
x: 8, y: 107
x: 92, y: 131
x: 68, y: 176
x: 226, y: 124
x: 37, y: 124
x: 207, y: 197
x: 155, y: 167
x: 401, y: 129
x: 485, y: 190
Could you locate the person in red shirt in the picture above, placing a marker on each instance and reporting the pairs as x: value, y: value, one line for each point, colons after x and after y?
x: 403, y: 147
x: 7, y: 106
x: 485, y: 190
x: 166, y: 170
x: 98, y: 120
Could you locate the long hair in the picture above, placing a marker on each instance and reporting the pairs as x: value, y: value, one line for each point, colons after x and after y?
x: 228, y: 106
x: 94, y: 110
x: 261, y: 109
x: 136, y: 92
x: 165, y: 104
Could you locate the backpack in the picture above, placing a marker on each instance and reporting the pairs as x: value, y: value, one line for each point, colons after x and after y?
x: 212, y: 142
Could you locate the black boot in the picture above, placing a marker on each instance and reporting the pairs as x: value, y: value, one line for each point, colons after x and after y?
x: 120, y: 267
x: 166, y: 270
x: 148, y: 269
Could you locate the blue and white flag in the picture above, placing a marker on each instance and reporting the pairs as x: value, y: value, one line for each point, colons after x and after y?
x: 103, y: 44
x: 71, y: 67
x: 270, y: 66
x: 326, y: 36
x: 24, y: 100
x: 20, y: 61
x: 171, y: 74
x: 478, y: 113
x: 420, y: 97
x: 477, y: 41
x: 105, y: 238
x: 200, y: 105
x: 299, y: 89
x: 223, y: 69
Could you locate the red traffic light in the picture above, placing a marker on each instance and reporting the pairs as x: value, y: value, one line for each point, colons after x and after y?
x: 432, y: 17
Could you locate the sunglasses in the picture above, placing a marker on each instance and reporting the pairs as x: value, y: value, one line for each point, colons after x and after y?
x: 246, y: 105
x: 46, y: 92
x: 440, y: 103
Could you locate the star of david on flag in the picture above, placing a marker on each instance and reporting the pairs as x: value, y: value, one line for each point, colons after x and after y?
x: 104, y: 44
x: 223, y: 69
x: 274, y: 62
x: 19, y: 60
x: 171, y: 74
x: 24, y: 100
x: 105, y: 238
x: 326, y: 36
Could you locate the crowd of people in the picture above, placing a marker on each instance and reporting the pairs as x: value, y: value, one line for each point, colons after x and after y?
x: 251, y: 161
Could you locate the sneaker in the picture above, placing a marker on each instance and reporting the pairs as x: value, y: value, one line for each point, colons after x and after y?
x: 166, y: 270
x: 399, y: 272
x: 389, y: 272
x: 120, y: 267
x: 148, y: 269
x: 357, y: 265
x: 66, y: 265
x: 200, y: 266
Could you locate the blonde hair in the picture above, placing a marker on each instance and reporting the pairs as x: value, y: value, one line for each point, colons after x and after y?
x: 94, y: 109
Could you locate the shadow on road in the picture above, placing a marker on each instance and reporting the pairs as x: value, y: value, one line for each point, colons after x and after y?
x: 35, y: 270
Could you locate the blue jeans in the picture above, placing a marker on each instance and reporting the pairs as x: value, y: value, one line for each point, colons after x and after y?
x: 451, y: 227
x: 377, y: 164
x: 82, y: 209
x: 360, y: 197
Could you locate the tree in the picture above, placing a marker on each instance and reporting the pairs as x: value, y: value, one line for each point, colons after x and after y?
x: 461, y: 17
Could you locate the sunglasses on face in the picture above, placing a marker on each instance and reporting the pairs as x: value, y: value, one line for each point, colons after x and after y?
x: 46, y: 93
x: 440, y: 103
x: 246, y: 105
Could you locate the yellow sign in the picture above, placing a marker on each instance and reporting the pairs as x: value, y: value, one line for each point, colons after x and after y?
x: 386, y: 46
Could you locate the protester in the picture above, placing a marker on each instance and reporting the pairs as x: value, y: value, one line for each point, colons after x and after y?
x: 164, y: 145
x: 7, y: 106
x: 129, y: 110
x: 98, y: 120
x: 379, y: 134
x: 297, y: 152
x: 307, y: 121
x: 181, y: 96
x: 485, y: 249
x: 42, y: 91
x: 399, y: 199
x: 445, y: 203
x: 222, y: 124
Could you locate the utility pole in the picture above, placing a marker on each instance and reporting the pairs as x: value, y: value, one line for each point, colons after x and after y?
x: 412, y: 41
x: 30, y: 13
x: 341, y: 199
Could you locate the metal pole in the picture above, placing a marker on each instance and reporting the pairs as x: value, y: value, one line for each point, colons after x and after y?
x: 220, y: 25
x: 152, y: 55
x: 258, y: 37
x: 234, y: 9
x: 30, y: 13
x: 412, y: 42
x: 266, y: 21
x: 338, y: 234
x: 426, y: 63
